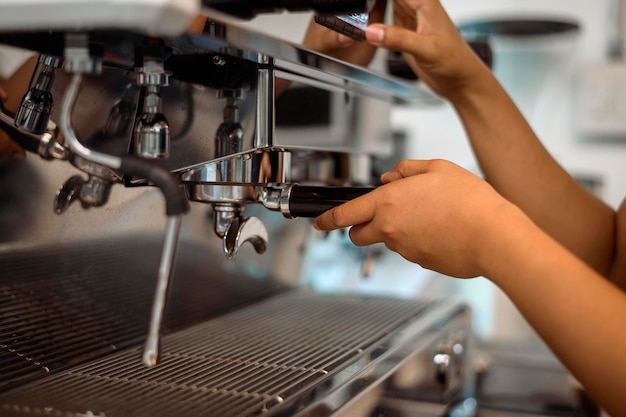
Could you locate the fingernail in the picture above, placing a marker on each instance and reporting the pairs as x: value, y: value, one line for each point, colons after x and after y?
x: 315, y: 226
x: 375, y: 34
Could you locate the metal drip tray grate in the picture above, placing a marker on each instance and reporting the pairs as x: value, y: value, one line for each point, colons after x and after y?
x: 255, y: 360
x: 63, y: 306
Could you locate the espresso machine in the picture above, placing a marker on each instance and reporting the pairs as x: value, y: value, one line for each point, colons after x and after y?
x: 143, y: 243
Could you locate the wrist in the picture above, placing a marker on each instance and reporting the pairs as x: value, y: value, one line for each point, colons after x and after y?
x: 510, y: 239
x: 477, y: 84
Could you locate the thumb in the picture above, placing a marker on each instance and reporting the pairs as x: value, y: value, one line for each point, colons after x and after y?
x: 406, y: 169
x: 394, y: 38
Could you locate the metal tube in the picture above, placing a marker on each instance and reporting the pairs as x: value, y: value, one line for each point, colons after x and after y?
x: 69, y: 100
x: 265, y: 119
x: 168, y: 256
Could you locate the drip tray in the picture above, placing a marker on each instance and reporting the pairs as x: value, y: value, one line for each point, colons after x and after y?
x: 293, y: 352
x: 68, y: 304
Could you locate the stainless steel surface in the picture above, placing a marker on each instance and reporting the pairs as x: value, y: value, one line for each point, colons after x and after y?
x: 242, y: 230
x: 265, y: 109
x: 258, y: 167
x: 303, y: 63
x: 293, y: 354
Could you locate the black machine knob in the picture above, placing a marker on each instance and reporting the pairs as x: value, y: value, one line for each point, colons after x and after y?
x: 247, y: 9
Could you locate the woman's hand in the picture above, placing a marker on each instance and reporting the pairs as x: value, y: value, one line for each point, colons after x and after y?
x: 432, y: 45
x: 326, y: 41
x: 433, y: 213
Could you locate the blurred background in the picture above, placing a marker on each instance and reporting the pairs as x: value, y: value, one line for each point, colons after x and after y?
x: 566, y: 74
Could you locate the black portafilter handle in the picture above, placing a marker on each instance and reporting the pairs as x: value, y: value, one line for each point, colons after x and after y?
x: 247, y: 9
x: 309, y: 201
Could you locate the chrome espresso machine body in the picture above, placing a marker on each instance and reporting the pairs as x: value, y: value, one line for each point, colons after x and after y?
x: 130, y: 97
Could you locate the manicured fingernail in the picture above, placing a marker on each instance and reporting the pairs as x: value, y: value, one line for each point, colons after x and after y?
x: 315, y: 226
x: 375, y: 34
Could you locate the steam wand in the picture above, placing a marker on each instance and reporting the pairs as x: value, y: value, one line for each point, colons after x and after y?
x: 176, y: 206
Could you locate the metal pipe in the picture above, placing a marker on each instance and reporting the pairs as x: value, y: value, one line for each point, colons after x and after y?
x: 166, y: 267
x: 265, y: 117
x: 69, y: 100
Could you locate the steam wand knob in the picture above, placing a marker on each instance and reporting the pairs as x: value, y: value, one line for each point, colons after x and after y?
x: 152, y: 132
x: 36, y: 107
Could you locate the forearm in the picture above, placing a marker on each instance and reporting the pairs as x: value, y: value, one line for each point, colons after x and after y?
x: 518, y: 166
x: 581, y: 317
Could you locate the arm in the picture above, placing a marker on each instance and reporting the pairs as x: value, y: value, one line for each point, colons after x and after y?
x: 444, y: 218
x: 510, y: 155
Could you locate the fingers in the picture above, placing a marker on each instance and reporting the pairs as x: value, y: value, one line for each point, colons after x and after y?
x: 357, y: 211
x: 406, y: 169
x: 393, y: 37
x: 363, y: 209
x: 364, y: 235
x: 3, y: 94
x: 322, y: 39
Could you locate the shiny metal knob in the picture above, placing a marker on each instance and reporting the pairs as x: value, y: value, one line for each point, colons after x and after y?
x: 229, y: 139
x: 35, y: 110
x: 36, y: 106
x: 152, y: 131
x: 152, y: 136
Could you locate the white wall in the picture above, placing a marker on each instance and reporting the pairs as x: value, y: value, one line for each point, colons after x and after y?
x: 542, y: 76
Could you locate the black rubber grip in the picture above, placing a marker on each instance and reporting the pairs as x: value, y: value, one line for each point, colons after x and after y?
x: 175, y: 198
x: 305, y: 201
